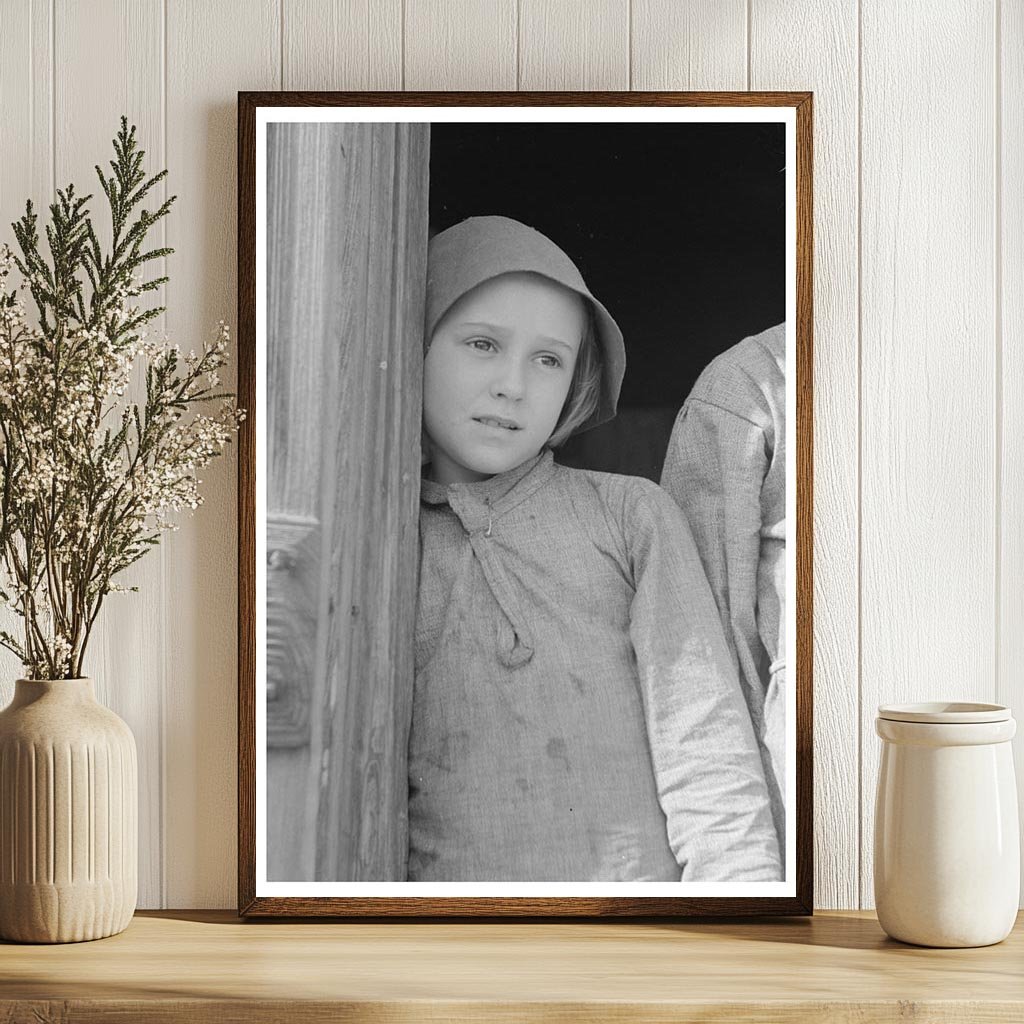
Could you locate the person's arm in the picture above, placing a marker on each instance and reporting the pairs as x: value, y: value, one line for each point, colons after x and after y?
x: 716, y: 468
x: 706, y: 761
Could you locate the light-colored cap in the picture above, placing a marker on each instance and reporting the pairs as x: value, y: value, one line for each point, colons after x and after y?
x: 481, y: 248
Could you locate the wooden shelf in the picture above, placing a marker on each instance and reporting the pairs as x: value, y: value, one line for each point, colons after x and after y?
x: 209, y: 966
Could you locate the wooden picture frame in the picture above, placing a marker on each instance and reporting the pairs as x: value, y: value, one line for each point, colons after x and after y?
x: 326, y: 609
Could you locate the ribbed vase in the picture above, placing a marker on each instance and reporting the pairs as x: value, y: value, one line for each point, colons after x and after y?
x: 68, y: 815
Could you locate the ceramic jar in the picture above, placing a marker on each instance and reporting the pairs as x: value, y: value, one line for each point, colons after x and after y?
x: 68, y: 815
x: 947, y: 847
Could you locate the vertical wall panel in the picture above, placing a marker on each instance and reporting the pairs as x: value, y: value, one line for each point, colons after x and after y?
x: 574, y: 44
x: 799, y: 45
x: 928, y: 364
x: 122, y: 657
x: 689, y: 44
x: 26, y: 168
x: 342, y: 44
x: 1011, y: 317
x: 213, y: 51
x: 460, y: 44
x: 26, y: 101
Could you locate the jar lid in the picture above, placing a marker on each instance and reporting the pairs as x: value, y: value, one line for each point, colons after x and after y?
x: 945, y: 712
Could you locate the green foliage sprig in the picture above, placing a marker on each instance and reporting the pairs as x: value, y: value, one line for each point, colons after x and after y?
x: 88, y: 479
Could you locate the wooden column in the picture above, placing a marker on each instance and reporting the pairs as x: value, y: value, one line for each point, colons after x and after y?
x: 347, y: 231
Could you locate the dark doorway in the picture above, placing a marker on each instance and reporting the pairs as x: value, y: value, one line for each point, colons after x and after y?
x: 679, y: 229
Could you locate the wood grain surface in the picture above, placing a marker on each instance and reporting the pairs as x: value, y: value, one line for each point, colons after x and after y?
x: 347, y: 206
x: 230, y: 45
x: 206, y: 966
x: 341, y: 44
x: 303, y: 165
x: 575, y: 44
x: 700, y: 44
x: 371, y: 458
x: 466, y: 45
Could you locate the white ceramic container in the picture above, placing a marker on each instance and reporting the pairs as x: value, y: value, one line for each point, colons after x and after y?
x: 947, y: 846
x: 68, y: 813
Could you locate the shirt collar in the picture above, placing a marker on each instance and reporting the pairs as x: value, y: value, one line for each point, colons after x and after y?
x: 532, y: 473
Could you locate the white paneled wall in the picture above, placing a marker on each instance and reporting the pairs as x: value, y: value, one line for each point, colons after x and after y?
x: 777, y: 61
x: 919, y: 327
x: 1009, y: 321
x: 928, y: 411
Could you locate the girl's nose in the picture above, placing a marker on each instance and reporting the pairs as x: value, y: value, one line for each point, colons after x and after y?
x: 508, y: 381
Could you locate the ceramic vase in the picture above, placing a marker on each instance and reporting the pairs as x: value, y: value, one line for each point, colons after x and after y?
x: 947, y: 846
x: 68, y: 815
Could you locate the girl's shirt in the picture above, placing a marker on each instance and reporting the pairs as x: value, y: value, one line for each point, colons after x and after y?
x: 576, y: 715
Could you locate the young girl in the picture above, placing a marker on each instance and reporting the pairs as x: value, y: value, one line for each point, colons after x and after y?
x: 576, y: 716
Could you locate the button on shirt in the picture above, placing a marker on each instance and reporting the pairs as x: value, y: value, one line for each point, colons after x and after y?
x: 576, y: 714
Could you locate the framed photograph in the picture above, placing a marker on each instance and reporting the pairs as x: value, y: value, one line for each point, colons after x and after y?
x: 525, y: 493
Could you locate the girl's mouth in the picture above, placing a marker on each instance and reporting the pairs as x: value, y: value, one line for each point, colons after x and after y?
x: 497, y: 421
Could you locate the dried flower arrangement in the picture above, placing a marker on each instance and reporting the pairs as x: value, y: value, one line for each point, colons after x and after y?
x: 88, y: 478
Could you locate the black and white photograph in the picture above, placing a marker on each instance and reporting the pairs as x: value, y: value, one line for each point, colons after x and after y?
x: 519, y: 505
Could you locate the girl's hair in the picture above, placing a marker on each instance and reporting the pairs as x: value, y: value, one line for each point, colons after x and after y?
x: 585, y: 389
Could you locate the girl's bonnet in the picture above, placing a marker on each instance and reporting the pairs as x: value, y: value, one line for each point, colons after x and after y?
x: 482, y: 248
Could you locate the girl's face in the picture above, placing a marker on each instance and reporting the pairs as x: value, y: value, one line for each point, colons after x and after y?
x: 497, y: 374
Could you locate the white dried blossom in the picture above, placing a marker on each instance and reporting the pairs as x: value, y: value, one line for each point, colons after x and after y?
x: 97, y: 499
x: 103, y: 435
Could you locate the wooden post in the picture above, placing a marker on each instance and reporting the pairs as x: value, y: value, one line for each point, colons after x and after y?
x: 347, y: 233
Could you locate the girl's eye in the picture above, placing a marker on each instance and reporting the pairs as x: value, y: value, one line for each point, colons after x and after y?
x: 481, y: 344
x: 548, y: 360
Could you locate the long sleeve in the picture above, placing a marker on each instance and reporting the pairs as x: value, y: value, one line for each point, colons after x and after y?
x: 726, y: 469
x: 707, y: 766
x: 714, y: 469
